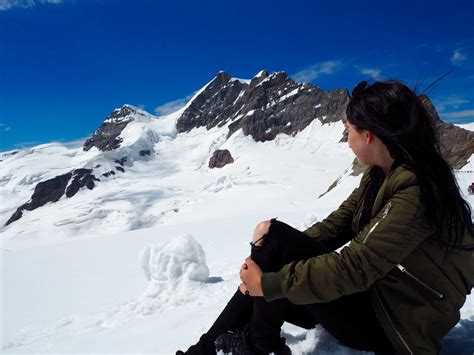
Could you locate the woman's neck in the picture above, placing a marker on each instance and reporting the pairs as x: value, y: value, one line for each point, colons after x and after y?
x: 380, y: 155
x: 387, y: 167
x: 385, y: 160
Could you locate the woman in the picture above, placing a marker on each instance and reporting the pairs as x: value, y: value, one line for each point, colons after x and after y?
x: 399, y: 284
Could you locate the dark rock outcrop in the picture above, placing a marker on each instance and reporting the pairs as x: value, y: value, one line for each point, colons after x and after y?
x: 80, y: 178
x: 53, y: 189
x: 214, y: 105
x: 220, y: 158
x: 266, y: 106
x: 47, y: 191
x: 107, y: 136
x: 121, y: 161
x: 456, y: 143
x: 357, y: 168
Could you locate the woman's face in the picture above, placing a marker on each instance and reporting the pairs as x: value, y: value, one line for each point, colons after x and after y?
x: 359, y: 143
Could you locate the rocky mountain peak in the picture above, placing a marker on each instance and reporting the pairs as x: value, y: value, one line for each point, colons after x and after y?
x: 269, y: 104
x: 456, y: 143
x: 212, y: 105
x: 221, y: 78
x: 261, y: 75
x: 125, y: 112
x: 106, y: 137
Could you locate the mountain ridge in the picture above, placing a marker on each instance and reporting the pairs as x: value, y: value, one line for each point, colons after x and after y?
x: 262, y: 108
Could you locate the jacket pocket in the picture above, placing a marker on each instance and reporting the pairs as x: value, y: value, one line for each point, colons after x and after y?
x: 417, y: 280
x: 384, y: 215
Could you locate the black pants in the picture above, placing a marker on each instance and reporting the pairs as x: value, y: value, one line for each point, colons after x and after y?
x: 349, y: 319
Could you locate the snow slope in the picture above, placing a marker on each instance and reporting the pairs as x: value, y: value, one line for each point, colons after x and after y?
x: 146, y: 260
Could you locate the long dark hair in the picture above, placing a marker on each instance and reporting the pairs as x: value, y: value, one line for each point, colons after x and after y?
x: 395, y: 114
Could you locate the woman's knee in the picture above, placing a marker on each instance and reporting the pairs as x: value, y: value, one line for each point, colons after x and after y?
x: 260, y: 230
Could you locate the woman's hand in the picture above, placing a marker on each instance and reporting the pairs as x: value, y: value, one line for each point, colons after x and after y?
x: 251, y: 276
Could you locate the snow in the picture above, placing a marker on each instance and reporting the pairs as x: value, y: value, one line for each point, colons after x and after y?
x: 182, y: 257
x: 290, y: 94
x: 144, y: 262
x: 269, y: 78
x: 238, y: 97
x: 243, y: 81
x: 468, y: 126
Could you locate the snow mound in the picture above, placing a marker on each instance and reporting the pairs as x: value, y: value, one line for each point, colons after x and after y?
x: 182, y: 258
x: 177, y: 273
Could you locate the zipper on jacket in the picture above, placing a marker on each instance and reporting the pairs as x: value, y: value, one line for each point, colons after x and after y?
x: 385, y: 213
x: 392, y: 324
x: 405, y: 271
x: 358, y: 219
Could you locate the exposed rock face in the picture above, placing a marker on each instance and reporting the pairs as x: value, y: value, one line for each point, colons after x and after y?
x: 80, y: 178
x: 456, y: 143
x: 357, y: 168
x: 266, y: 106
x: 213, y: 105
x: 121, y: 161
x: 107, y: 136
x: 53, y: 189
x: 220, y: 158
x: 109, y: 173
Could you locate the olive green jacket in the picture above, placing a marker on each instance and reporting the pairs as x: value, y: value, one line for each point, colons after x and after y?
x: 415, y: 291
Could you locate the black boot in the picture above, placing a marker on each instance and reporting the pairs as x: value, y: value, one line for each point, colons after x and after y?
x: 204, y: 346
x: 235, y: 342
x: 239, y: 342
x: 235, y: 315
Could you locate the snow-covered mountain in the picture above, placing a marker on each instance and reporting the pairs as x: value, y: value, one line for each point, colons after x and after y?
x: 113, y: 242
x: 264, y: 107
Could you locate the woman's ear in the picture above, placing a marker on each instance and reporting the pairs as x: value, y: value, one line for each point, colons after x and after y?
x: 369, y: 137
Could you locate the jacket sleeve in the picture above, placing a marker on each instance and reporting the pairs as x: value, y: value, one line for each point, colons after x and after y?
x: 389, y: 237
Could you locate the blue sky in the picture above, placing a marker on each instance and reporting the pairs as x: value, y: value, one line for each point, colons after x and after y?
x: 66, y: 64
